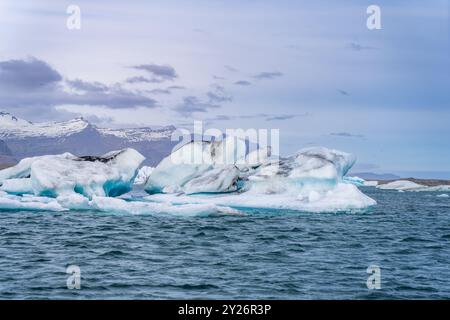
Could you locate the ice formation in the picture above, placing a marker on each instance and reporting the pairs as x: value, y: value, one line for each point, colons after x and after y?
x: 215, y: 177
x: 199, y: 166
x: 60, y: 175
x: 400, y: 185
x: 115, y: 205
x: 357, y: 181
x: 406, y: 185
x: 143, y: 175
x: 310, y: 180
x: 371, y: 183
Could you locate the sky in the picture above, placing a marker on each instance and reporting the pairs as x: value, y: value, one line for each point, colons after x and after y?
x: 311, y: 69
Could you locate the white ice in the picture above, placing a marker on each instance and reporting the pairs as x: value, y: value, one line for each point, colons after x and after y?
x: 344, y: 197
x: 61, y: 175
x: 371, y: 183
x: 109, y: 205
x: 357, y: 181
x: 405, y: 185
x: 28, y: 203
x: 199, y: 166
x: 17, y: 186
x: 114, y: 205
x: 143, y: 175
x: 310, y: 180
x: 199, y: 178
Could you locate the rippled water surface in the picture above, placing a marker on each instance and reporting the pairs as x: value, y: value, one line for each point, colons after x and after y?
x: 270, y: 255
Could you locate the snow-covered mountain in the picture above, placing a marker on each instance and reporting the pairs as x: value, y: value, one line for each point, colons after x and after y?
x: 13, y: 127
x: 24, y: 138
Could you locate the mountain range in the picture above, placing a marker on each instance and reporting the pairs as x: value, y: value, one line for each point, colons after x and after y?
x: 20, y: 138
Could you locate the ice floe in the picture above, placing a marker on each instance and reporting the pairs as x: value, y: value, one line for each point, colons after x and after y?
x: 406, y: 185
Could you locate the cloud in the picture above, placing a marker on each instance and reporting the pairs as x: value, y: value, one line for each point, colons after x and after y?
x: 346, y: 135
x: 200, y: 30
x: 243, y: 83
x: 343, y: 92
x: 87, y: 86
x: 33, y: 86
x: 268, y: 75
x: 281, y: 117
x: 158, y: 72
x: 27, y: 74
x: 221, y: 117
x: 193, y: 104
x: 141, y: 79
x: 230, y: 68
x: 355, y: 46
x: 266, y: 117
x: 114, y: 97
x: 159, y: 91
x: 176, y: 88
x: 218, y: 97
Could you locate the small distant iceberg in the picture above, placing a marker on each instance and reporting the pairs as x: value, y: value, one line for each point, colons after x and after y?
x: 403, y: 185
x: 406, y: 185
x: 444, y: 195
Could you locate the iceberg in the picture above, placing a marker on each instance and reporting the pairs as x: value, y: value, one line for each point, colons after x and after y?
x: 200, y: 178
x: 310, y: 180
x: 199, y: 166
x: 370, y: 183
x: 112, y: 174
x: 403, y: 185
x: 357, y: 181
x: 406, y: 185
x: 28, y: 203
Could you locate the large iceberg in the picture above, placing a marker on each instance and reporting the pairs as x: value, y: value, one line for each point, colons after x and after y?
x: 201, y: 177
x: 310, y: 180
x: 110, y: 175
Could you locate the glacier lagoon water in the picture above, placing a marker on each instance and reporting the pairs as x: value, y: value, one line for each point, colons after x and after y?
x: 265, y: 254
